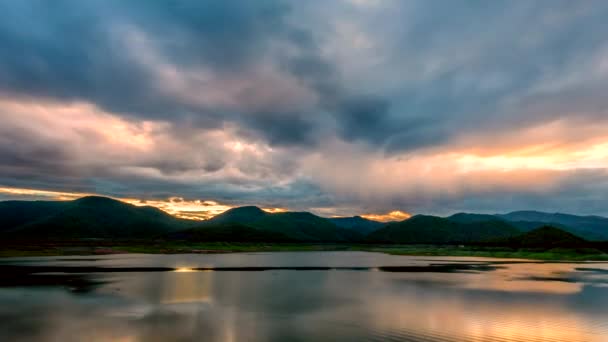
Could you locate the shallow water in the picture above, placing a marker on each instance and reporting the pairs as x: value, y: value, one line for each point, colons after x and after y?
x: 310, y: 296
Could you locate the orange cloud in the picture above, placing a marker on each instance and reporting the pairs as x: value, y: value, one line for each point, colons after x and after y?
x: 395, y: 215
x: 176, y: 206
x: 274, y: 210
x: 42, y: 194
x: 535, y: 160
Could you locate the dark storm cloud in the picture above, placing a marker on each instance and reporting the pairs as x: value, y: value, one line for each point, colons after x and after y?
x: 36, y: 153
x: 358, y: 116
x: 285, y: 82
x: 469, y: 65
x: 71, y: 50
x: 501, y: 64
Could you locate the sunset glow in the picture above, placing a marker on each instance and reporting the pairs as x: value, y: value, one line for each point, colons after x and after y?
x: 395, y: 215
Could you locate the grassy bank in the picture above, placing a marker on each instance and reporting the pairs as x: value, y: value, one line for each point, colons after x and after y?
x: 100, y: 248
x: 558, y: 254
x: 156, y: 247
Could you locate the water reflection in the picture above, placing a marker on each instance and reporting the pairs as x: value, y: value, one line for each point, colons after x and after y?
x: 497, y: 302
x: 183, y: 288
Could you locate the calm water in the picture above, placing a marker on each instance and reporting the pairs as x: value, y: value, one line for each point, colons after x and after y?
x: 361, y: 297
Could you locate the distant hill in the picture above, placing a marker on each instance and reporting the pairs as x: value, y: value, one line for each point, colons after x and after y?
x: 588, y: 227
x: 245, y: 214
x: 300, y: 226
x: 526, y: 226
x: 101, y: 217
x: 423, y: 229
x: 16, y: 213
x: 357, y: 223
x: 472, y: 218
x: 87, y: 217
x: 544, y: 237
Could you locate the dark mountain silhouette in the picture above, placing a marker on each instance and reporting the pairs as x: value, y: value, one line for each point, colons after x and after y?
x: 588, y: 227
x: 472, y: 218
x: 87, y: 217
x: 16, y: 213
x: 526, y: 226
x: 101, y: 217
x: 301, y: 226
x: 357, y: 223
x: 544, y: 237
x: 245, y: 214
x: 423, y: 229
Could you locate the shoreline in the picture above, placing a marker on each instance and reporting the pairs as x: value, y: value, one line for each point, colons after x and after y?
x: 69, y: 249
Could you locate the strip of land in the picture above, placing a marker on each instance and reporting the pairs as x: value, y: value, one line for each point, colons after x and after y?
x: 104, y: 248
x: 98, y: 225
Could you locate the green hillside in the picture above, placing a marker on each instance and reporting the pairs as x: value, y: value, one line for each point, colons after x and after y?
x: 422, y: 229
x: 105, y: 218
x: 471, y: 218
x: 301, y: 226
x: 357, y: 223
x: 588, y: 227
x: 544, y: 237
x: 16, y: 213
x: 245, y: 214
x: 89, y: 217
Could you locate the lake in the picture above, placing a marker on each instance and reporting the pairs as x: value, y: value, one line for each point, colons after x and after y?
x: 306, y: 296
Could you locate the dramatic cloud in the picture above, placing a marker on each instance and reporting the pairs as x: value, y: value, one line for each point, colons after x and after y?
x: 341, y: 107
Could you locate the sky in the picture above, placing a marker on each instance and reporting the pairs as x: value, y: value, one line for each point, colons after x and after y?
x: 338, y: 107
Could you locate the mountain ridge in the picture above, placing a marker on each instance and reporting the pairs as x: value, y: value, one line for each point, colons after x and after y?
x: 415, y: 230
x: 103, y: 217
x: 357, y: 223
x: 590, y: 227
x: 302, y: 226
x: 88, y: 217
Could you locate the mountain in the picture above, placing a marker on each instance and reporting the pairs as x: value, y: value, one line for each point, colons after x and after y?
x: 472, y: 218
x: 245, y: 214
x: 301, y: 226
x: 16, y: 213
x: 229, y: 232
x: 589, y: 227
x: 544, y: 237
x: 87, y: 217
x: 101, y: 217
x: 423, y: 229
x: 526, y: 226
x: 357, y: 223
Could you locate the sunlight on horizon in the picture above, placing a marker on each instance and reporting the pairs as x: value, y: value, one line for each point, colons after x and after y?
x: 177, y: 206
x: 395, y: 215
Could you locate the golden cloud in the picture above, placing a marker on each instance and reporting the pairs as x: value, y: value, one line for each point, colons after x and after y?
x: 395, y: 215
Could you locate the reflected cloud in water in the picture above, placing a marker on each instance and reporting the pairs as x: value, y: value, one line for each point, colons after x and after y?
x: 513, y: 302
